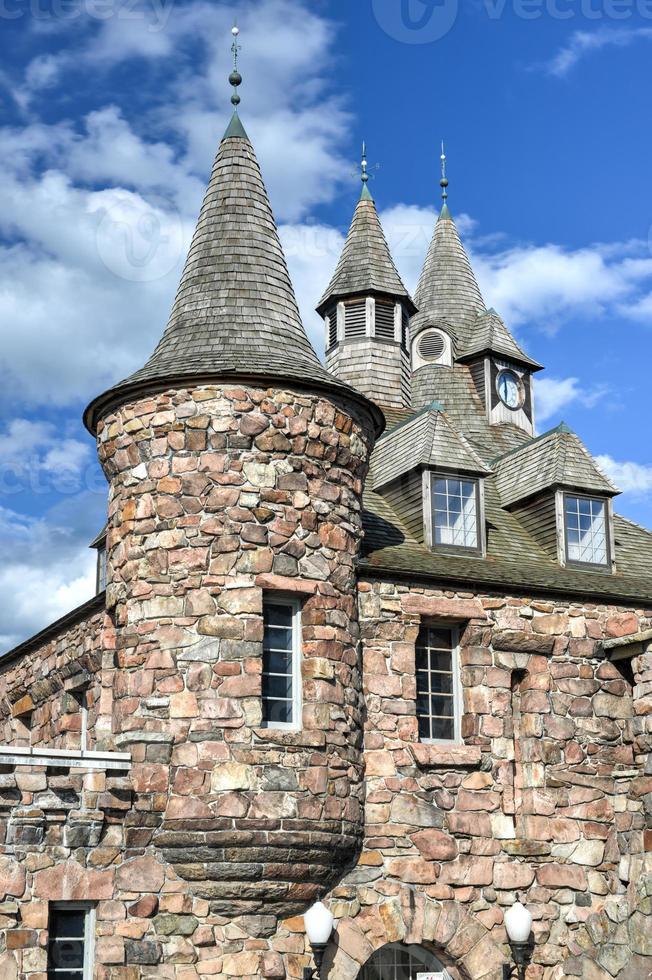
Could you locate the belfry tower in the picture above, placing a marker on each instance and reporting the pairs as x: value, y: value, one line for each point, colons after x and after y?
x: 367, y: 309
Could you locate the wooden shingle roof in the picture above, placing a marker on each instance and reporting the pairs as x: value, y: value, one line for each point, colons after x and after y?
x: 365, y: 265
x: 447, y: 289
x: 235, y: 311
x: 427, y: 439
x: 556, y: 459
x: 490, y: 335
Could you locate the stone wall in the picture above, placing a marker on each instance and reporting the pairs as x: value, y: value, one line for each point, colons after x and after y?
x: 561, y: 815
x: 219, y: 495
x: 33, y: 685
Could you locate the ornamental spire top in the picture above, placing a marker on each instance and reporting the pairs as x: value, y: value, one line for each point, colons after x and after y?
x: 365, y: 175
x: 443, y: 183
x: 235, y: 78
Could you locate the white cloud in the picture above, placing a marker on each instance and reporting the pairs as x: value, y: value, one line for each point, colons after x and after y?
x: 583, y: 43
x: 36, y: 456
x: 47, y: 567
x: 632, y: 478
x: 553, y: 395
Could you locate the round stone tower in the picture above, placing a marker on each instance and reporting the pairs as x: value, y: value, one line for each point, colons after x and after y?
x: 236, y: 466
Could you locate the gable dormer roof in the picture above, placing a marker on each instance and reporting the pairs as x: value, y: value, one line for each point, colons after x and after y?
x: 366, y: 265
x: 426, y: 439
x: 557, y: 458
x: 235, y: 312
x: 448, y: 289
x: 489, y: 335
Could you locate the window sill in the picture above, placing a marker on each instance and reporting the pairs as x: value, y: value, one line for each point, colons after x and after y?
x: 431, y: 755
x: 63, y: 758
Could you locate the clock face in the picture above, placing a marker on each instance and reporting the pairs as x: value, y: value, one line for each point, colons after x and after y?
x: 510, y: 389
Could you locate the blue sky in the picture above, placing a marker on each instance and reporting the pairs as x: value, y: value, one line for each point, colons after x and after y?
x: 111, y: 111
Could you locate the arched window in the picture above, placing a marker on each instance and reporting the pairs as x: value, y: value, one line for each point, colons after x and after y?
x: 397, y: 962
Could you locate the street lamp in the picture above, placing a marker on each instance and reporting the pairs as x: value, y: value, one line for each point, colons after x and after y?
x: 318, y: 921
x: 518, y: 923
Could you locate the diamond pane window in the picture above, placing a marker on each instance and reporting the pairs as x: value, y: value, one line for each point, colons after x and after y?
x: 585, y: 524
x: 281, y: 680
x: 455, y: 513
x: 438, y: 712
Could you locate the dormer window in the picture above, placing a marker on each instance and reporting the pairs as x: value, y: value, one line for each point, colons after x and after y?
x: 586, y: 530
x: 455, y: 513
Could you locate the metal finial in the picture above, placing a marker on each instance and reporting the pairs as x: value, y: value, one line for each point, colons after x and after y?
x: 443, y: 183
x: 235, y: 78
x: 364, y: 175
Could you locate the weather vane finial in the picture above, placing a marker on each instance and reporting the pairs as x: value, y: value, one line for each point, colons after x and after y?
x: 443, y: 183
x: 235, y: 78
x: 364, y: 175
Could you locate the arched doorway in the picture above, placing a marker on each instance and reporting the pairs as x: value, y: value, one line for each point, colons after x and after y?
x: 398, y: 962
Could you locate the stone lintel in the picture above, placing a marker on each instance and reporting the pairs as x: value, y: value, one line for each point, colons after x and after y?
x: 617, y: 642
x: 430, y: 756
x: 23, y: 706
x: 283, y: 583
x: 455, y: 609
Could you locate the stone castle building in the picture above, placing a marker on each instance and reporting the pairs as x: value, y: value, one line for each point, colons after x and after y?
x: 361, y: 636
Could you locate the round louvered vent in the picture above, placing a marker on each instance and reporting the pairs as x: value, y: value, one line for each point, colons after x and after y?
x: 432, y: 345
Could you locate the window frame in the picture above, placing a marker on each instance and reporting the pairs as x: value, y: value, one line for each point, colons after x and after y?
x: 102, y: 567
x: 296, y: 725
x: 89, y: 934
x: 479, y: 550
x: 457, y: 694
x: 569, y: 562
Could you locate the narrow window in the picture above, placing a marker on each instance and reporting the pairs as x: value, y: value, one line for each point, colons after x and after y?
x: 455, y: 513
x: 438, y: 711
x: 281, y: 681
x: 355, y: 319
x: 585, y: 525
x: 384, y: 325
x: 101, y: 568
x: 70, y: 943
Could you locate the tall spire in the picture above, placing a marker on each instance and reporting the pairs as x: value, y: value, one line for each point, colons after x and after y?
x: 235, y: 312
x: 365, y: 265
x: 447, y: 289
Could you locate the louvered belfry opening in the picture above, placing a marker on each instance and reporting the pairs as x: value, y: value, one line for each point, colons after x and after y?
x: 384, y: 322
x: 355, y: 318
x: 331, y: 318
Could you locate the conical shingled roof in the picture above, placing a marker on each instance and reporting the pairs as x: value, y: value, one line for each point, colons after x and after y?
x: 557, y: 458
x: 447, y: 288
x: 365, y: 265
x: 235, y: 311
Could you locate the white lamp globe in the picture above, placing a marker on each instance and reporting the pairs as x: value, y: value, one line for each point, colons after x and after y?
x: 318, y: 921
x: 518, y: 923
